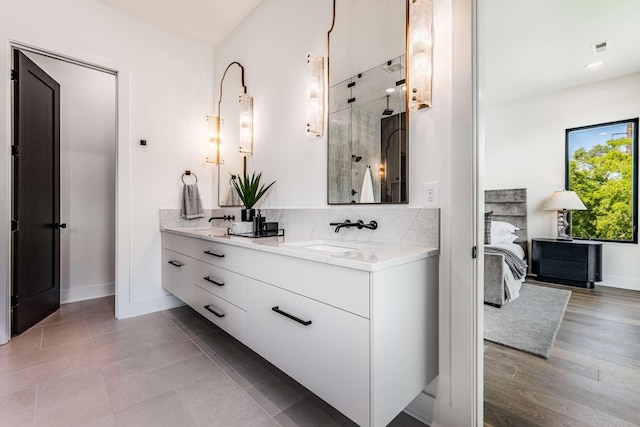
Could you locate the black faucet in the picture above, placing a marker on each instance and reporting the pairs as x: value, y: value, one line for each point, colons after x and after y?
x: 359, y: 223
x: 226, y: 217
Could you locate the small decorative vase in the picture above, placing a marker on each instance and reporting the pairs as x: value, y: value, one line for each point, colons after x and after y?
x: 246, y: 215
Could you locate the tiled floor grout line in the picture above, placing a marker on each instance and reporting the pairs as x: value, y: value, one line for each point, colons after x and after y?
x: 35, y: 405
x: 90, y: 334
x: 223, y: 370
x: 104, y: 382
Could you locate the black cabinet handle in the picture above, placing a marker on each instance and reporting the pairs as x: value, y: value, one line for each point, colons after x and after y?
x: 214, y: 254
x: 285, y: 314
x: 58, y: 226
x: 215, y: 313
x: 176, y: 263
x: 210, y: 280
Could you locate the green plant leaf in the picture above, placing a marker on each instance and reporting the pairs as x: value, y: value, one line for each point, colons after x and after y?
x: 249, y: 189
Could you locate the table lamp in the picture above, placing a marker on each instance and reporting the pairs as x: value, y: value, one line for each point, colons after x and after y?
x: 564, y: 202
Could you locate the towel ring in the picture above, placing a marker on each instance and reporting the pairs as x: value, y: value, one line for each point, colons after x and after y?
x: 189, y: 173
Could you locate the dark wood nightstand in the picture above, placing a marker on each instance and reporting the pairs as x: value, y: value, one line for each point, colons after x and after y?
x: 574, y: 262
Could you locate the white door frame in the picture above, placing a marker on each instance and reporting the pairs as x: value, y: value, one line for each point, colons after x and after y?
x: 122, y: 208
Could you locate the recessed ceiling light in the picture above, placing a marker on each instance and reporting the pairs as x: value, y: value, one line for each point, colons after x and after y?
x: 603, y: 133
x: 593, y: 64
x: 391, y: 90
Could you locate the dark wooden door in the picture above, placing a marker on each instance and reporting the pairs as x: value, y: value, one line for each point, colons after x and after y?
x: 36, y: 195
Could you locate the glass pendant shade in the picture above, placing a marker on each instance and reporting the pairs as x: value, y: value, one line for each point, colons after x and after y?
x: 246, y: 125
x: 315, y: 95
x: 420, y: 47
x: 214, y: 126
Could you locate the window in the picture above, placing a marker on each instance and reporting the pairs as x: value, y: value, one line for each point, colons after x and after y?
x: 602, y: 169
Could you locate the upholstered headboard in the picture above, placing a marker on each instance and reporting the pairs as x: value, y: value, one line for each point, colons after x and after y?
x: 509, y: 205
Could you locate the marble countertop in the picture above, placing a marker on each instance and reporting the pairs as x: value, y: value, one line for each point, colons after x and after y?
x: 361, y: 255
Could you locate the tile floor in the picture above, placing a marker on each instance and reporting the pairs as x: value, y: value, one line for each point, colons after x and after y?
x: 82, y: 367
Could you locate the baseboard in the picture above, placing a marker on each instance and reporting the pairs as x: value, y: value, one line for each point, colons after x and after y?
x: 421, y: 408
x: 86, y: 292
x: 152, y: 305
x: 620, y: 282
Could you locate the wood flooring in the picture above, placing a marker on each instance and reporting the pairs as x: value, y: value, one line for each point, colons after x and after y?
x: 592, y: 377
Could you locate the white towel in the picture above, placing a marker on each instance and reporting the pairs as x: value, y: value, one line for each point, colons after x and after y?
x: 191, y: 203
x: 232, y: 198
x: 366, y: 194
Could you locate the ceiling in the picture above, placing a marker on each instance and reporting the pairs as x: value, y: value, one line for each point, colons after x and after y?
x: 525, y: 47
x: 209, y: 21
x: 531, y: 47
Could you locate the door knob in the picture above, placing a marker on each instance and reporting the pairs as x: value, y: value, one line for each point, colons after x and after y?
x: 57, y: 226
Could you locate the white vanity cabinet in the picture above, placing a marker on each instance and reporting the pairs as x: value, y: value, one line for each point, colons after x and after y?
x: 372, y: 343
x: 363, y: 339
x: 324, y: 348
x: 197, y: 272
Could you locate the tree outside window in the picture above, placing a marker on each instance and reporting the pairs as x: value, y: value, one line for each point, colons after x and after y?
x: 602, y: 170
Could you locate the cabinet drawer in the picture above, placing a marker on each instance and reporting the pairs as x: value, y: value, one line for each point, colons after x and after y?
x: 572, y: 270
x: 329, y: 356
x: 226, y: 284
x: 229, y: 317
x: 177, y: 274
x: 340, y: 287
x: 564, y: 251
x: 219, y: 254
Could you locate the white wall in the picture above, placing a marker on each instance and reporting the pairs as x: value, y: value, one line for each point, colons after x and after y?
x: 87, y: 178
x: 358, y: 27
x: 525, y: 148
x: 165, y: 87
x: 272, y: 44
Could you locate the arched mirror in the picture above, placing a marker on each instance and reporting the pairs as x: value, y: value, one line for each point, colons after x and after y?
x: 229, y: 110
x: 368, y: 153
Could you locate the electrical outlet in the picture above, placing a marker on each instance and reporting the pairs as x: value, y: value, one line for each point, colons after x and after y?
x: 431, y: 195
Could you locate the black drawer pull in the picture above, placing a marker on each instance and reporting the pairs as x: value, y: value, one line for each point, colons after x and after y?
x: 210, y: 280
x: 214, y: 254
x: 285, y: 314
x: 208, y: 308
x: 176, y: 263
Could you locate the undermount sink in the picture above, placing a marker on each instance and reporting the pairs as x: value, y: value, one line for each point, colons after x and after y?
x: 328, y: 246
x: 211, y: 232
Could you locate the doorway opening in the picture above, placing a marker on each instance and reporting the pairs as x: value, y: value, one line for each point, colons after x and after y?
x: 87, y: 174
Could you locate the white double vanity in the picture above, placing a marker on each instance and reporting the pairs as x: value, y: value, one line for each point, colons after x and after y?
x: 354, y: 322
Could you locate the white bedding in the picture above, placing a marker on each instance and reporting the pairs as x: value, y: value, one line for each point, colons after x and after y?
x: 511, y: 285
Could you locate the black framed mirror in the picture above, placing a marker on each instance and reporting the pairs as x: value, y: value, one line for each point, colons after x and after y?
x: 368, y: 150
x: 232, y: 162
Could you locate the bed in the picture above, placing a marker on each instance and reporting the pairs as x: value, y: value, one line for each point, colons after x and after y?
x: 500, y: 285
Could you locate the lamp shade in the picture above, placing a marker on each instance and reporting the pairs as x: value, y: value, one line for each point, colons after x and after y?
x: 561, y: 200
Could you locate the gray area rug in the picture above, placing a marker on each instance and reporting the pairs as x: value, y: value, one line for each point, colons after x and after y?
x: 531, y: 322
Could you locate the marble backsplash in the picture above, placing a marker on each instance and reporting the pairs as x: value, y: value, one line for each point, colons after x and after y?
x: 412, y: 226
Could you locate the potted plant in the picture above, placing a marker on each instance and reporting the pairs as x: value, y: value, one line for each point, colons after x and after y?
x: 250, y: 191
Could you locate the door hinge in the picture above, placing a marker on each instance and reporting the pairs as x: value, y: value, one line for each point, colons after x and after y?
x: 15, y: 150
x: 14, y: 301
x: 474, y: 252
x: 14, y: 75
x: 15, y: 225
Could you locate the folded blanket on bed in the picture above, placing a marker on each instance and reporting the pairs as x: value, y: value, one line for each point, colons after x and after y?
x: 517, y: 266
